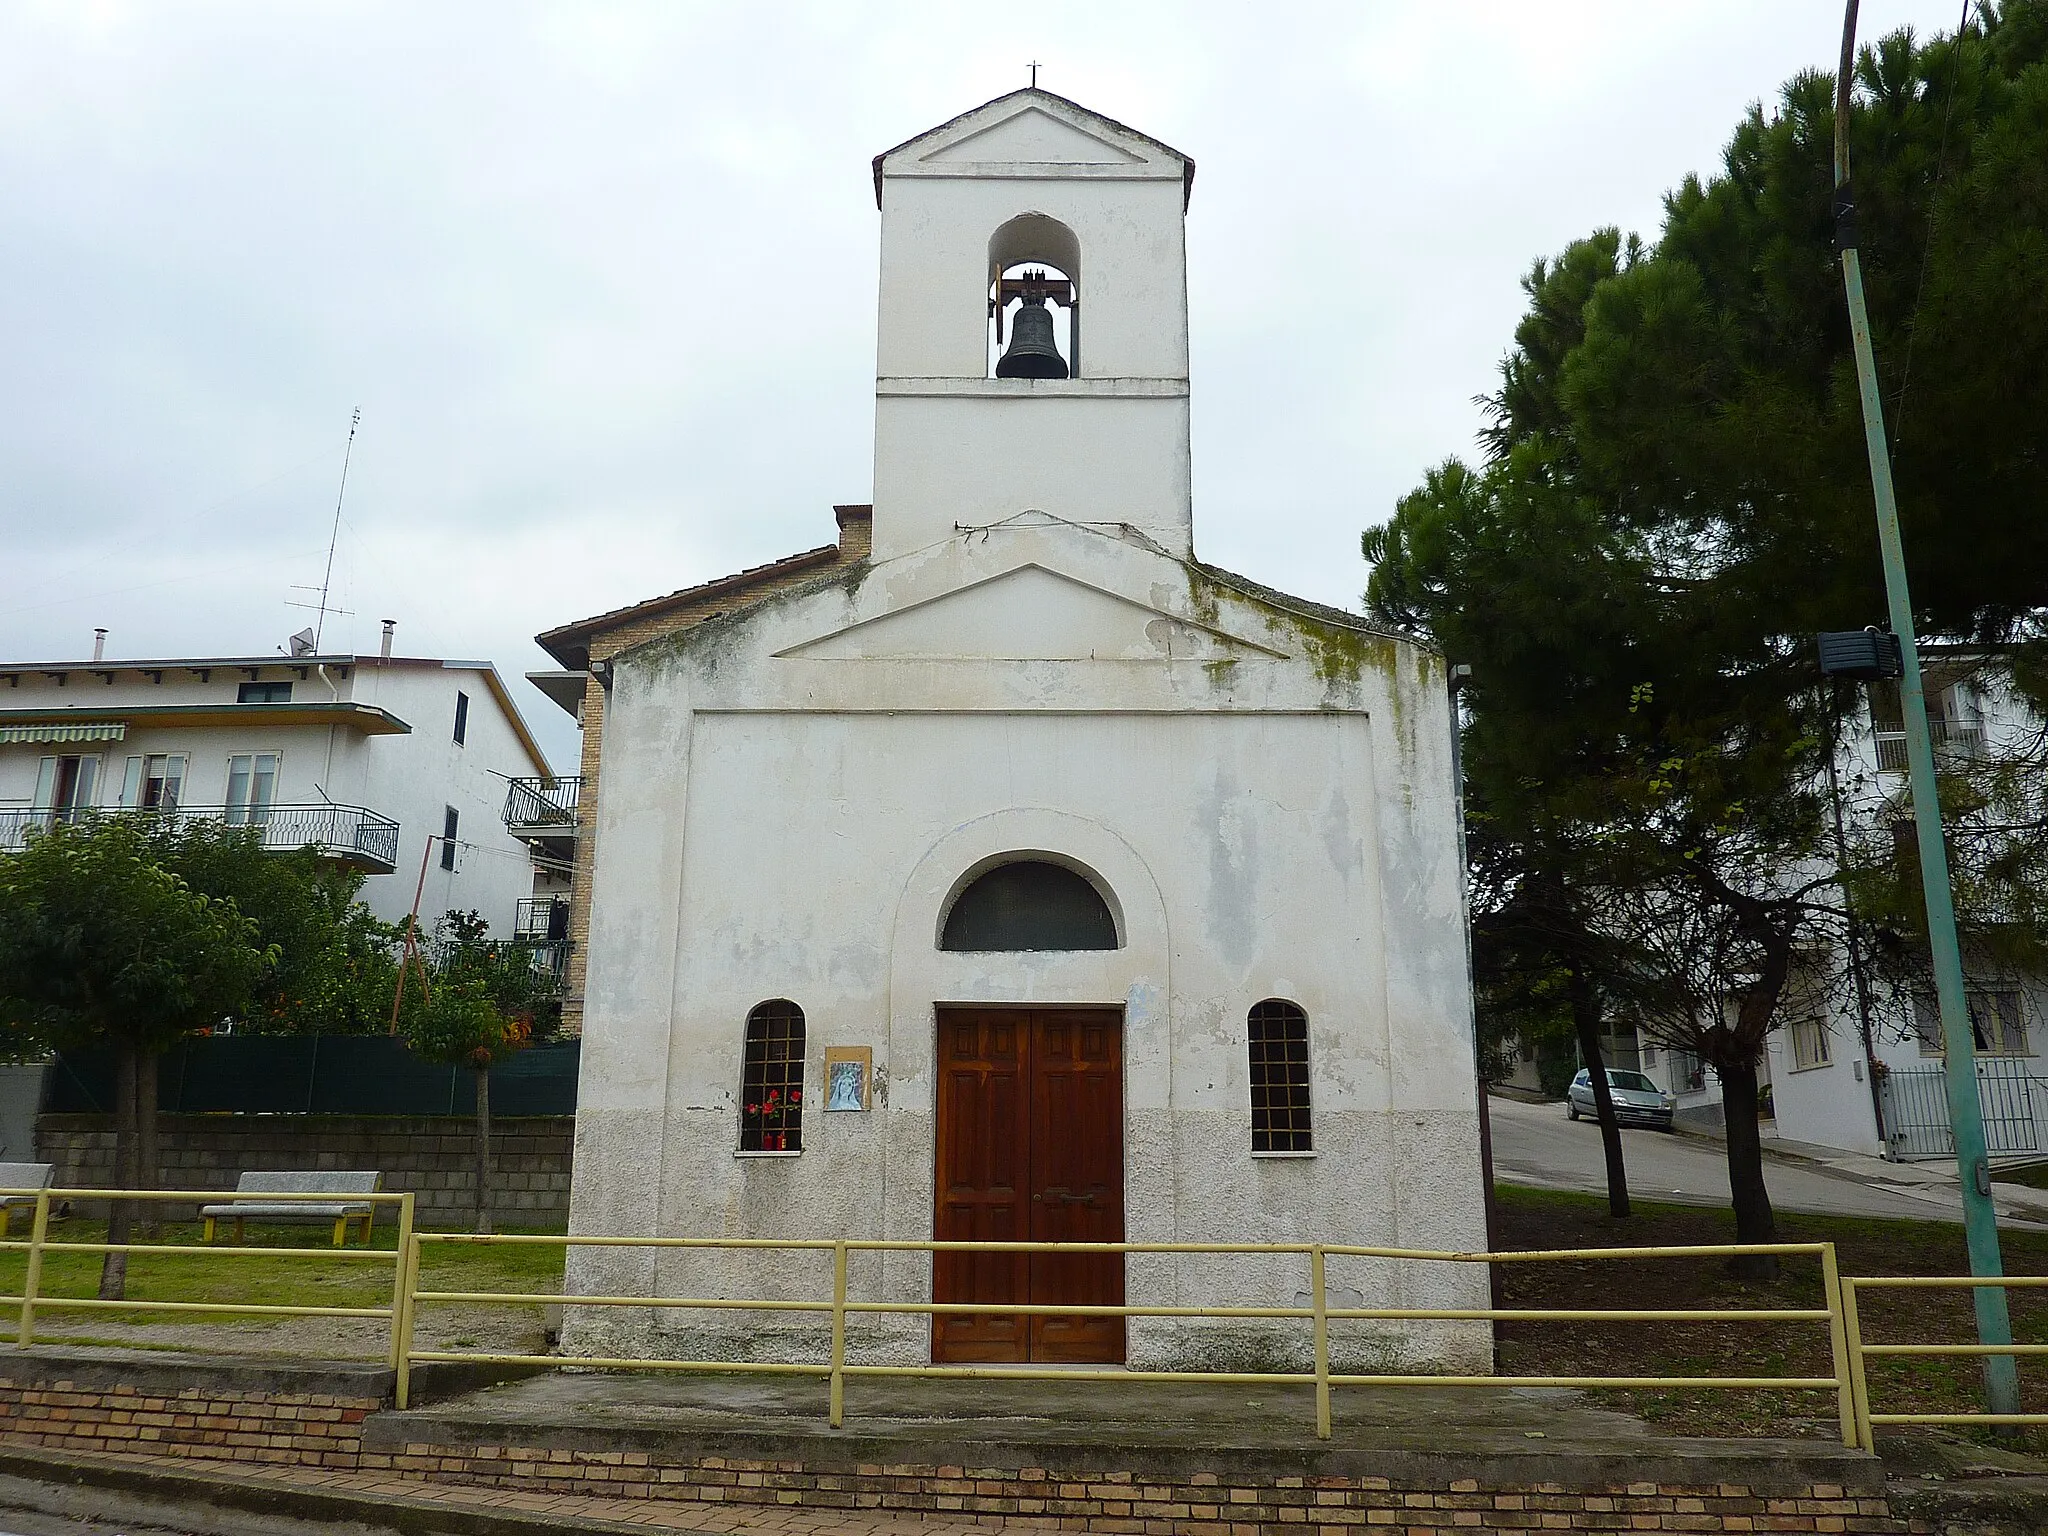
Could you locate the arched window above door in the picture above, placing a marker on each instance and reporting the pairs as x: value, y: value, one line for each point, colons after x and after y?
x: 1031, y: 904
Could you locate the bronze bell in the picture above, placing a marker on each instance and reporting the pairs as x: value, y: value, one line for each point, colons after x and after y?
x: 1032, y: 354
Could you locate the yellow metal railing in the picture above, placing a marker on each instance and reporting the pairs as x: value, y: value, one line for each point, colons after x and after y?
x: 38, y: 1244
x: 1839, y: 1313
x: 1859, y: 1352
x: 1319, y: 1314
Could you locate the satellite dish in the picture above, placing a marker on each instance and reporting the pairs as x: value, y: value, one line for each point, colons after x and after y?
x: 302, y: 643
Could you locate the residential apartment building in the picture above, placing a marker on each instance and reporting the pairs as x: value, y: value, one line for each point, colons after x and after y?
x: 1860, y: 1067
x: 366, y: 758
x: 1865, y: 1070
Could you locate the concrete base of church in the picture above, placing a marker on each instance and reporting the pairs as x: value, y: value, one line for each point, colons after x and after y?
x: 1175, y: 1344
x: 1376, y: 1174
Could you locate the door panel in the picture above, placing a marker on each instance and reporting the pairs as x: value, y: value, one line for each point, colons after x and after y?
x: 982, y: 1169
x: 1030, y: 1145
x: 1077, y: 1181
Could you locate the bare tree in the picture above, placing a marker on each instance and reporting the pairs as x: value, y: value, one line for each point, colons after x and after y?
x: 1711, y: 966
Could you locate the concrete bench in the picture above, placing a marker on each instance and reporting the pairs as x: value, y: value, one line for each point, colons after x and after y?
x: 249, y: 1204
x: 21, y: 1176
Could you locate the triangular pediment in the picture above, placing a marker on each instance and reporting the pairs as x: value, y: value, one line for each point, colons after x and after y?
x: 1038, y: 129
x: 1029, y: 613
x: 1033, y: 136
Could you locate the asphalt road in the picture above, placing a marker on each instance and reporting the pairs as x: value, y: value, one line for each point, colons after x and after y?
x: 1535, y: 1144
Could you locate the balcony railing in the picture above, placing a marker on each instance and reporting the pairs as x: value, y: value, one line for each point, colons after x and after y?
x: 1952, y: 738
x: 346, y: 832
x: 551, y: 960
x: 541, y: 804
x: 541, y: 919
x: 548, y: 958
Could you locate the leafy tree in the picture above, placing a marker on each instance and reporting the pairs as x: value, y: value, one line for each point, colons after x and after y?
x: 102, y: 946
x: 480, y: 1008
x: 1510, y: 572
x: 1675, y: 497
x: 334, y: 958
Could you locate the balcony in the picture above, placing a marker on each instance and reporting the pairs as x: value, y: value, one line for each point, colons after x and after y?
x: 355, y: 836
x: 1952, y: 739
x: 541, y: 920
x: 542, y: 924
x: 542, y: 814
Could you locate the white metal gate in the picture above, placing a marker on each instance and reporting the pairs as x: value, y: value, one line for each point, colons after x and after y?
x: 1916, y: 1109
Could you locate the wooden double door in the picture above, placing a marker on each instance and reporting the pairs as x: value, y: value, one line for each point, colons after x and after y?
x: 1030, y: 1148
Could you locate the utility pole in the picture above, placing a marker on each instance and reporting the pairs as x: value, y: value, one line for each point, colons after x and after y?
x: 1965, y: 1111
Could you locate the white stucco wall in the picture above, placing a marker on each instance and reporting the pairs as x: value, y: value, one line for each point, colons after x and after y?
x: 1827, y: 1105
x: 416, y: 777
x: 791, y: 795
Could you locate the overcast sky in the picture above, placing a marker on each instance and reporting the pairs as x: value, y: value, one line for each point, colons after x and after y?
x: 601, y: 278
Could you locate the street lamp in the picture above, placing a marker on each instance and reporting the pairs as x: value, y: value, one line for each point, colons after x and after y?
x: 1965, y: 1113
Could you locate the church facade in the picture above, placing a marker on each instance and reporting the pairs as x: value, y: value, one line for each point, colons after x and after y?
x: 1027, y: 878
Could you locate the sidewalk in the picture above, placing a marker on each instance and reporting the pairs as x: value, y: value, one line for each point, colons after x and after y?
x: 1535, y: 1144
x: 1933, y: 1182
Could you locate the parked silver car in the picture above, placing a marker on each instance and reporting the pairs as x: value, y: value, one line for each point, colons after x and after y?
x: 1637, y: 1100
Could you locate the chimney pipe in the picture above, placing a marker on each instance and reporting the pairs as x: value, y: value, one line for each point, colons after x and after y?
x: 389, y: 626
x: 99, y: 645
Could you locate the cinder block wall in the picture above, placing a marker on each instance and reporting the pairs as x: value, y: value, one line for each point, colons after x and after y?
x: 434, y: 1157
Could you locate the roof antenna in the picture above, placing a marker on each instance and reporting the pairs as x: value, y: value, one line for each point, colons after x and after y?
x: 320, y: 624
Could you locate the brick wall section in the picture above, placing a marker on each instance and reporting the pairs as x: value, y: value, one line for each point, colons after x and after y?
x: 650, y: 621
x: 1125, y: 1504
x: 435, y: 1158
x: 334, y: 1420
x: 279, y: 1429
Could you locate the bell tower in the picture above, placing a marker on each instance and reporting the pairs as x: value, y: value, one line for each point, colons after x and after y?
x: 1033, y: 342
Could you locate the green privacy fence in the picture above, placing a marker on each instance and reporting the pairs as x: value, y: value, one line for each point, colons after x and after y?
x: 321, y: 1075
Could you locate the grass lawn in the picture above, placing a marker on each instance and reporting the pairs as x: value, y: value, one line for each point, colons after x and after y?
x: 1548, y: 1219
x: 337, y: 1278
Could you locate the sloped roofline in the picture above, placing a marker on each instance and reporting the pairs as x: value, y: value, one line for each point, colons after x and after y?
x: 564, y: 642
x: 1039, y: 93
x: 1243, y: 586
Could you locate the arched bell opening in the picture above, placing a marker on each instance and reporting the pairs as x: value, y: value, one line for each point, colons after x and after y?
x: 1034, y: 300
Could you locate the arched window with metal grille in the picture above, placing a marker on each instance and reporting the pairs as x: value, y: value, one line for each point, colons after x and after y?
x: 1277, y: 1035
x: 772, y: 1079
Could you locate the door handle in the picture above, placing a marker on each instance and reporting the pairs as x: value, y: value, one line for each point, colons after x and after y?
x: 1063, y: 1197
